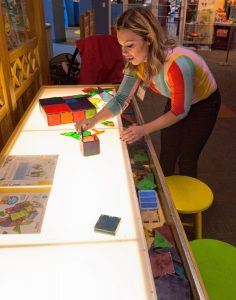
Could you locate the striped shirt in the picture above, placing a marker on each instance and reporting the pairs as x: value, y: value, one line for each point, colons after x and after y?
x: 184, y: 78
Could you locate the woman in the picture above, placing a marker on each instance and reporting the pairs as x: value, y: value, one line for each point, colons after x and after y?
x: 175, y: 72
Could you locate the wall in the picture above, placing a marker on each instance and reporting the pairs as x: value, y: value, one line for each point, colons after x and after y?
x: 69, y: 8
x: 85, y: 5
x: 101, y: 8
x: 214, y: 4
x: 54, y: 14
x: 116, y: 10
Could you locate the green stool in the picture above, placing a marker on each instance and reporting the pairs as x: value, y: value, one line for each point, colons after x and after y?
x: 216, y: 261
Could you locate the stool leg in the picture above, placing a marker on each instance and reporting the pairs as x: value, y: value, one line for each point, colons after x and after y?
x: 198, y: 225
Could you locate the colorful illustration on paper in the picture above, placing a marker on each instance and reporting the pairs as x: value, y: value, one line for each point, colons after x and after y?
x: 22, y: 213
x: 28, y: 170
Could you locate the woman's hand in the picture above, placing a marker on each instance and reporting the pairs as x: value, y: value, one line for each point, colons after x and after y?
x: 133, y: 133
x: 85, y: 124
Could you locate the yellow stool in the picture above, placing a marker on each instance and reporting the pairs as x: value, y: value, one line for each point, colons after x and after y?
x: 190, y: 196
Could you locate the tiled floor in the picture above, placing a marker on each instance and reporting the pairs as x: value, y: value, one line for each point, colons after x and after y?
x: 72, y: 34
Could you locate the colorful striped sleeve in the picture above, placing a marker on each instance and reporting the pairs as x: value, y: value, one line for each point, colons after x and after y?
x: 180, y: 76
x: 124, y: 94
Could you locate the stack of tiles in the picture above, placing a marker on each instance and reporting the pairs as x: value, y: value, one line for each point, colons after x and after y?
x: 64, y: 110
x: 90, y: 145
x: 148, y: 199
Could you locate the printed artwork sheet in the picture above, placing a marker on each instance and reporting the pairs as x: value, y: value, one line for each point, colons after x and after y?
x: 22, y: 213
x: 28, y: 170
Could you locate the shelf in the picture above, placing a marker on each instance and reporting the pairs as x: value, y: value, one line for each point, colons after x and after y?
x: 199, y: 21
x: 199, y: 24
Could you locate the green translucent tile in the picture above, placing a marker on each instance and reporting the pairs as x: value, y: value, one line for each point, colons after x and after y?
x: 89, y: 113
x: 141, y: 157
x: 147, y: 183
x: 86, y: 133
x: 93, y: 92
x: 78, y: 96
x: 160, y: 241
x: 108, y: 90
x: 108, y: 123
x: 75, y: 134
x: 105, y: 122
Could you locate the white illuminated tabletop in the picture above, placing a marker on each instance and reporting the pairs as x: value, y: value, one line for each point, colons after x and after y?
x: 68, y: 259
x: 101, y: 271
x: 83, y: 188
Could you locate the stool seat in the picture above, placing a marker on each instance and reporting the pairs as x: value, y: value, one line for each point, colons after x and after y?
x: 216, y: 261
x: 190, y: 196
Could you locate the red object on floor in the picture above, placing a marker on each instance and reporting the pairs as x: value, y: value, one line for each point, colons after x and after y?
x: 101, y: 60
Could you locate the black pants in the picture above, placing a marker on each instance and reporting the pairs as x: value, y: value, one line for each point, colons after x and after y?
x: 183, y: 142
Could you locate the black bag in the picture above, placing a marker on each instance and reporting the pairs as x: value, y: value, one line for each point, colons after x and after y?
x: 64, y: 69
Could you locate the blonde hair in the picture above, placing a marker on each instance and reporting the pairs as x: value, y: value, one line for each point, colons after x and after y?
x: 142, y: 22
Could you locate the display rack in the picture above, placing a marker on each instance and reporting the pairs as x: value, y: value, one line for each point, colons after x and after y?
x: 199, y: 25
x: 172, y: 218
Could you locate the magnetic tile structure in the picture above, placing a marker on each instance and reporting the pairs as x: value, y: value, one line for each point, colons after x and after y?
x: 107, y: 224
x: 148, y: 199
x: 89, y: 145
x: 64, y: 110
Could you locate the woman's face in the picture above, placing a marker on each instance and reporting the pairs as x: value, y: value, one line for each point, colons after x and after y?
x: 134, y: 47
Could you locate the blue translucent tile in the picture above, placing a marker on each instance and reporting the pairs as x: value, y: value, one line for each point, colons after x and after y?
x: 148, y: 199
x: 70, y: 100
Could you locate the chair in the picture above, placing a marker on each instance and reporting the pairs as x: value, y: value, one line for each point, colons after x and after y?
x: 91, y: 13
x: 87, y: 23
x: 101, y: 60
x: 190, y: 196
x: 84, y: 26
x: 216, y: 261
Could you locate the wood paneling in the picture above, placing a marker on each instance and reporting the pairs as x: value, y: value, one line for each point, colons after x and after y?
x: 87, y: 24
x: 23, y: 70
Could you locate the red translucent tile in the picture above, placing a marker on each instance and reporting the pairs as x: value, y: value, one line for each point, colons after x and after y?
x: 50, y: 109
x: 66, y: 117
x: 78, y: 115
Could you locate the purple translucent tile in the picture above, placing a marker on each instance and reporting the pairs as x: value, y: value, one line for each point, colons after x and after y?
x: 51, y: 101
x: 172, y: 287
x: 81, y: 104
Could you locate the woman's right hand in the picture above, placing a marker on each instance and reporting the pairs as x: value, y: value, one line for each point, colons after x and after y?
x: 85, y: 124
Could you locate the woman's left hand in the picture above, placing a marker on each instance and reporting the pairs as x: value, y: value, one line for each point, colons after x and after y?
x: 132, y: 134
